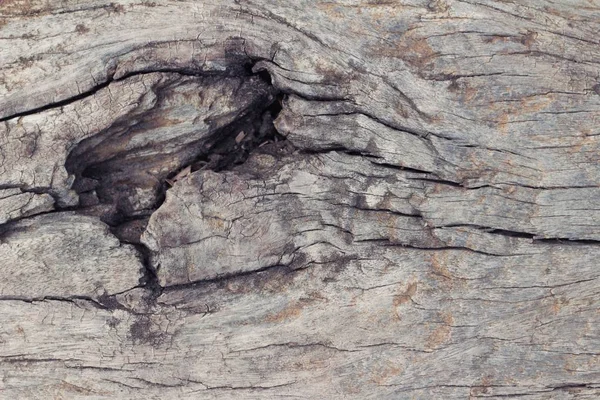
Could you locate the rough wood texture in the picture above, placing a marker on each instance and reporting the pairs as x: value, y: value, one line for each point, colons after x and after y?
x: 310, y: 199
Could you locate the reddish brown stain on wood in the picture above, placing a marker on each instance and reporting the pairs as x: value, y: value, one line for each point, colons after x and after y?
x: 383, y: 374
x: 441, y: 334
x: 292, y: 311
x: 406, y: 295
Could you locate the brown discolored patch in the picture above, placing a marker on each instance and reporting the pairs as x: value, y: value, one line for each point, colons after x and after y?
x: 528, y: 39
x: 113, y: 322
x: 469, y: 93
x: 309, y: 361
x: 438, y: 264
x: 292, y: 311
x: 406, y: 295
x: 507, y: 111
x: 372, y: 147
x: 274, y: 280
x: 587, y: 143
x: 486, y: 382
x: 215, y: 222
x: 109, y: 302
x: 412, y: 49
x: 492, y: 39
x: 381, y: 375
x: 386, y: 202
x: 24, y: 7
x: 145, y: 331
x: 26, y: 62
x: 376, y: 10
x: 454, y: 86
x: 299, y: 261
x: 129, y: 231
x: 438, y: 6
x: 462, y: 90
x: 558, y: 304
x: 448, y: 319
x: 338, y: 263
x: 417, y: 52
x: 534, y: 104
x: 332, y: 9
x: 65, y: 386
x: 439, y: 336
x: 116, y: 8
x: 81, y: 29
x: 333, y: 75
x: 352, y: 387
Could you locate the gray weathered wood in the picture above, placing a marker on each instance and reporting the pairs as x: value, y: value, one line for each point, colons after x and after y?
x: 420, y: 220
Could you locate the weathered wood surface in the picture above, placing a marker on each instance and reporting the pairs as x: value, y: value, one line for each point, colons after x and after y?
x: 420, y: 220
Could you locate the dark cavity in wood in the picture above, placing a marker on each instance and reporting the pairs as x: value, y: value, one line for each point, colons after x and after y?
x: 107, y: 177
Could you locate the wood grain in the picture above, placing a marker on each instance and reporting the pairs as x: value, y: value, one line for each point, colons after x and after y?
x: 255, y: 199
